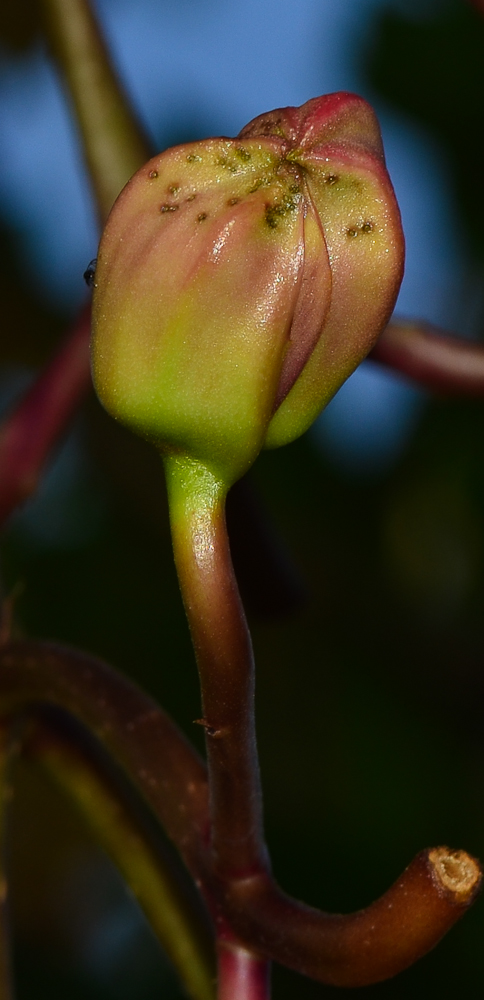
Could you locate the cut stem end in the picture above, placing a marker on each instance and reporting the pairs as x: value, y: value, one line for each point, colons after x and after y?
x: 456, y: 873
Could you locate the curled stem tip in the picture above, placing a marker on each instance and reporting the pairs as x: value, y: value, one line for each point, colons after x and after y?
x: 368, y: 946
x: 455, y: 873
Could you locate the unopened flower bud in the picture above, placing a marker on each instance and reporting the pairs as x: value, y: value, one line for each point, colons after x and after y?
x: 240, y: 281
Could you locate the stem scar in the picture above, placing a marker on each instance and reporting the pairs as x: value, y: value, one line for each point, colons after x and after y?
x: 210, y: 730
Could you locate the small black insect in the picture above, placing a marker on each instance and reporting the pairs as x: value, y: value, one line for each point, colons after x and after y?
x: 90, y: 272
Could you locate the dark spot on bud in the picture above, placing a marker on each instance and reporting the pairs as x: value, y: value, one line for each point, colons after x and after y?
x: 201, y: 217
x: 270, y: 126
x: 90, y: 272
x: 168, y: 208
x: 273, y: 213
x: 174, y: 189
x: 191, y: 197
x: 331, y: 179
x: 365, y: 227
x: 193, y: 158
x: 233, y: 201
x: 227, y: 164
x: 261, y: 182
x: 153, y: 174
x: 243, y: 154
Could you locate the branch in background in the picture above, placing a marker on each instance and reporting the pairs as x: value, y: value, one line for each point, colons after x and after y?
x: 121, y: 826
x: 138, y: 735
x: 354, y: 949
x: 114, y: 149
x: 7, y: 750
x: 28, y: 435
x: 114, y: 145
x: 439, y: 362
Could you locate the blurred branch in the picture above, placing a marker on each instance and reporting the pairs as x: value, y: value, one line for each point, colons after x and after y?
x: 351, y: 950
x: 432, y: 358
x: 28, y: 435
x: 114, y: 145
x: 7, y: 749
x: 120, y: 825
x: 139, y: 736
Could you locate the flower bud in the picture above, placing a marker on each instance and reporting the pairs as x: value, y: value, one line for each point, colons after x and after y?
x: 240, y: 281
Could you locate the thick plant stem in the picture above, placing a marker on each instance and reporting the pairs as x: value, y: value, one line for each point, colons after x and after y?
x: 373, y: 944
x: 6, y: 749
x: 225, y: 661
x: 241, y: 974
x: 355, y: 949
x: 114, y: 145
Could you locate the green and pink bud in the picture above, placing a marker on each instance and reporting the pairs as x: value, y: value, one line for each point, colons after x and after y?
x: 240, y: 281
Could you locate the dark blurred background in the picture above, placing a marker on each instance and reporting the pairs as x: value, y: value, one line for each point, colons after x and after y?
x: 367, y: 534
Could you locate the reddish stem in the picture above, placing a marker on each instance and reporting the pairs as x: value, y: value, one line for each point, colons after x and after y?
x: 241, y: 974
x: 439, y: 362
x: 225, y: 662
x: 357, y: 949
x: 346, y: 950
x: 28, y: 435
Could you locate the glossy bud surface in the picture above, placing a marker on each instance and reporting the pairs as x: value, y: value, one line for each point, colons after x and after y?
x: 240, y: 281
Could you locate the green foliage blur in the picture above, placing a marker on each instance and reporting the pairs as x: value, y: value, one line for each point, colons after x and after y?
x: 368, y: 630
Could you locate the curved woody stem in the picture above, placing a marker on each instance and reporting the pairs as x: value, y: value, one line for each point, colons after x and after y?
x: 354, y: 949
x: 347, y: 951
